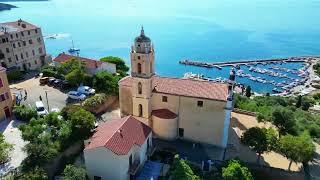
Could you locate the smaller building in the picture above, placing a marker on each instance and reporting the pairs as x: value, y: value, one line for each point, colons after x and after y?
x: 5, y: 96
x: 118, y: 149
x: 92, y: 66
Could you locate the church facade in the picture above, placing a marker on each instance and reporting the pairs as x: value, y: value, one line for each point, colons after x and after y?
x: 193, y: 110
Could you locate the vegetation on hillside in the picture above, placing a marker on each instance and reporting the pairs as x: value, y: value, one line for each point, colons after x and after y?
x: 283, y: 113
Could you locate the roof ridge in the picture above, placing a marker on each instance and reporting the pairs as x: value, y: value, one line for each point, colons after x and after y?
x: 187, y: 79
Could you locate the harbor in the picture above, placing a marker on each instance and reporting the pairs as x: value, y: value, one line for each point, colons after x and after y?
x: 278, y: 76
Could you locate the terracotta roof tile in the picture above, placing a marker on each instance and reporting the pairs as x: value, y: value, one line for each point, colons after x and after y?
x: 186, y: 87
x: 120, y: 135
x: 164, y: 113
x: 90, y: 63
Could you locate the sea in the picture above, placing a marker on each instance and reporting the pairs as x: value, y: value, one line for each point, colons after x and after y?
x: 206, y: 30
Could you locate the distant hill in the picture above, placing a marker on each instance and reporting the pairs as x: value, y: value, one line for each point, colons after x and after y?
x: 19, y: 0
x: 6, y: 6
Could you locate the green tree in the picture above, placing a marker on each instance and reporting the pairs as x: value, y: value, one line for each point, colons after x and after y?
x: 182, y: 170
x: 248, y: 91
x: 82, y: 122
x: 120, y: 64
x: 72, y: 172
x: 297, y: 148
x: 75, y: 77
x: 235, y: 171
x: 32, y: 131
x: 299, y: 101
x: 5, y: 149
x: 258, y: 140
x: 106, y: 83
x: 34, y: 174
x: 71, y: 65
x: 283, y: 119
x: 24, y: 113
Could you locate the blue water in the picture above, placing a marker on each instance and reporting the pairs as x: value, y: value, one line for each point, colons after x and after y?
x: 208, y: 30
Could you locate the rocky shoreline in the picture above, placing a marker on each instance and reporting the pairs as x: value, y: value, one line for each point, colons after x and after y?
x: 4, y: 6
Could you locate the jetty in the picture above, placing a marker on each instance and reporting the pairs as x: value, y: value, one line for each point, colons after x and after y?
x: 237, y: 63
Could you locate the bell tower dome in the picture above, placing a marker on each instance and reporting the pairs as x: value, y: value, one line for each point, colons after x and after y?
x: 142, y: 56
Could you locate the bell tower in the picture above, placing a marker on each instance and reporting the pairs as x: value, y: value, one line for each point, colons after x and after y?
x: 142, y: 70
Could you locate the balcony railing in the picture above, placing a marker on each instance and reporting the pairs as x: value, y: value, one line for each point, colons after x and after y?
x: 134, y: 167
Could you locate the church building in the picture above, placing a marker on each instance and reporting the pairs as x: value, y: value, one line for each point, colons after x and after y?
x: 194, y: 110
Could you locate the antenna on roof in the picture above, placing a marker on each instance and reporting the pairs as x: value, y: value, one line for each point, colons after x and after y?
x: 142, y: 31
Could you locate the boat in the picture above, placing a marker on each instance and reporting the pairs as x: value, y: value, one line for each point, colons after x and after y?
x: 73, y: 49
x: 277, y: 90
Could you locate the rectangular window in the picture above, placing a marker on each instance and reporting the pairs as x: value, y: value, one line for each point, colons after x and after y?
x: 29, y: 64
x: 36, y: 31
x: 28, y: 32
x: 21, y: 56
x: 14, y: 45
x: 40, y: 50
x: 17, y: 57
x: 24, y: 43
x: 22, y: 34
x: 164, y: 99
x: 11, y: 36
x: 10, y: 60
x: 19, y: 44
x: 27, y: 54
x: 35, y: 62
x: 17, y: 35
x: 7, y: 50
x: 39, y: 40
x: 33, y: 52
x: 181, y: 132
x: 200, y: 103
x: 30, y: 41
x: 138, y: 57
x: 97, y: 178
x: 2, y: 97
x: 1, y: 83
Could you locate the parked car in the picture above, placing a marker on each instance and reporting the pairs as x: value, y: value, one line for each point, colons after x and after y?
x: 44, y: 80
x: 55, y: 109
x: 65, y: 84
x: 41, y: 110
x: 86, y: 90
x: 76, y: 95
x: 57, y: 83
x: 51, y: 81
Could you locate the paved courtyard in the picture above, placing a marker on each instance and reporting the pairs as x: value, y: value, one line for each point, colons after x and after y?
x: 56, y: 98
x: 13, y: 136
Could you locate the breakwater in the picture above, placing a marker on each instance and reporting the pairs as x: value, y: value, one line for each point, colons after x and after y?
x: 219, y: 65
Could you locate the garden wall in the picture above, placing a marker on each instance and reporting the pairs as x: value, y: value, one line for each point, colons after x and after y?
x: 241, y: 111
x: 57, y: 165
x: 103, y: 108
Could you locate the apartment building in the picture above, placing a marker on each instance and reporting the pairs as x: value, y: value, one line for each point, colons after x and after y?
x: 22, y: 46
x: 5, y: 96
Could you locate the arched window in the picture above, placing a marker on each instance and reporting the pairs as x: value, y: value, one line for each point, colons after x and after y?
x: 139, y: 88
x: 139, y: 68
x: 140, y: 110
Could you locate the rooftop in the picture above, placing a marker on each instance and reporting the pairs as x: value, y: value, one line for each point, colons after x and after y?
x: 90, y: 63
x: 119, y: 135
x: 16, y: 26
x: 185, y: 87
x: 164, y: 114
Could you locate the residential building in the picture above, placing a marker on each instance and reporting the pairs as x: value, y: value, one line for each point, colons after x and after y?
x: 117, y: 149
x: 22, y: 46
x: 193, y: 110
x: 92, y: 66
x: 5, y: 96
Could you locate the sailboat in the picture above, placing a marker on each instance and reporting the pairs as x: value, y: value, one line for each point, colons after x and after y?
x: 73, y: 49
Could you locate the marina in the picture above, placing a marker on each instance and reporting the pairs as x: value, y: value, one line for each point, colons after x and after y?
x: 281, y: 76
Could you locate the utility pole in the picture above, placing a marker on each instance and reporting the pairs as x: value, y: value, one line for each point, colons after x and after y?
x: 47, y: 99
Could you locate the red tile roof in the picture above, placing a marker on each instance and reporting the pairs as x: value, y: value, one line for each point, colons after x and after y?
x: 164, y: 113
x: 120, y: 135
x: 186, y: 87
x: 90, y: 63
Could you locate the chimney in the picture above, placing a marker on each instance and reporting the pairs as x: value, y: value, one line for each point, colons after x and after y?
x: 120, y: 132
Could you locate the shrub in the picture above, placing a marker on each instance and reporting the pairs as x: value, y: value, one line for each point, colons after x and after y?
x: 235, y: 171
x: 67, y: 110
x: 24, y: 113
x: 14, y: 75
x: 5, y: 149
x: 95, y: 101
x: 181, y: 170
x: 72, y: 172
x: 34, y: 174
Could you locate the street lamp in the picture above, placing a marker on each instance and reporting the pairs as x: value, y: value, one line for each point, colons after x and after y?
x: 46, y: 91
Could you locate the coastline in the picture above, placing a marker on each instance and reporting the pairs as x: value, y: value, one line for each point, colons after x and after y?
x: 4, y: 6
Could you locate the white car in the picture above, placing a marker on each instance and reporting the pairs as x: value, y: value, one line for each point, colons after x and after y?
x: 41, y: 111
x: 86, y: 90
x: 76, y: 95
